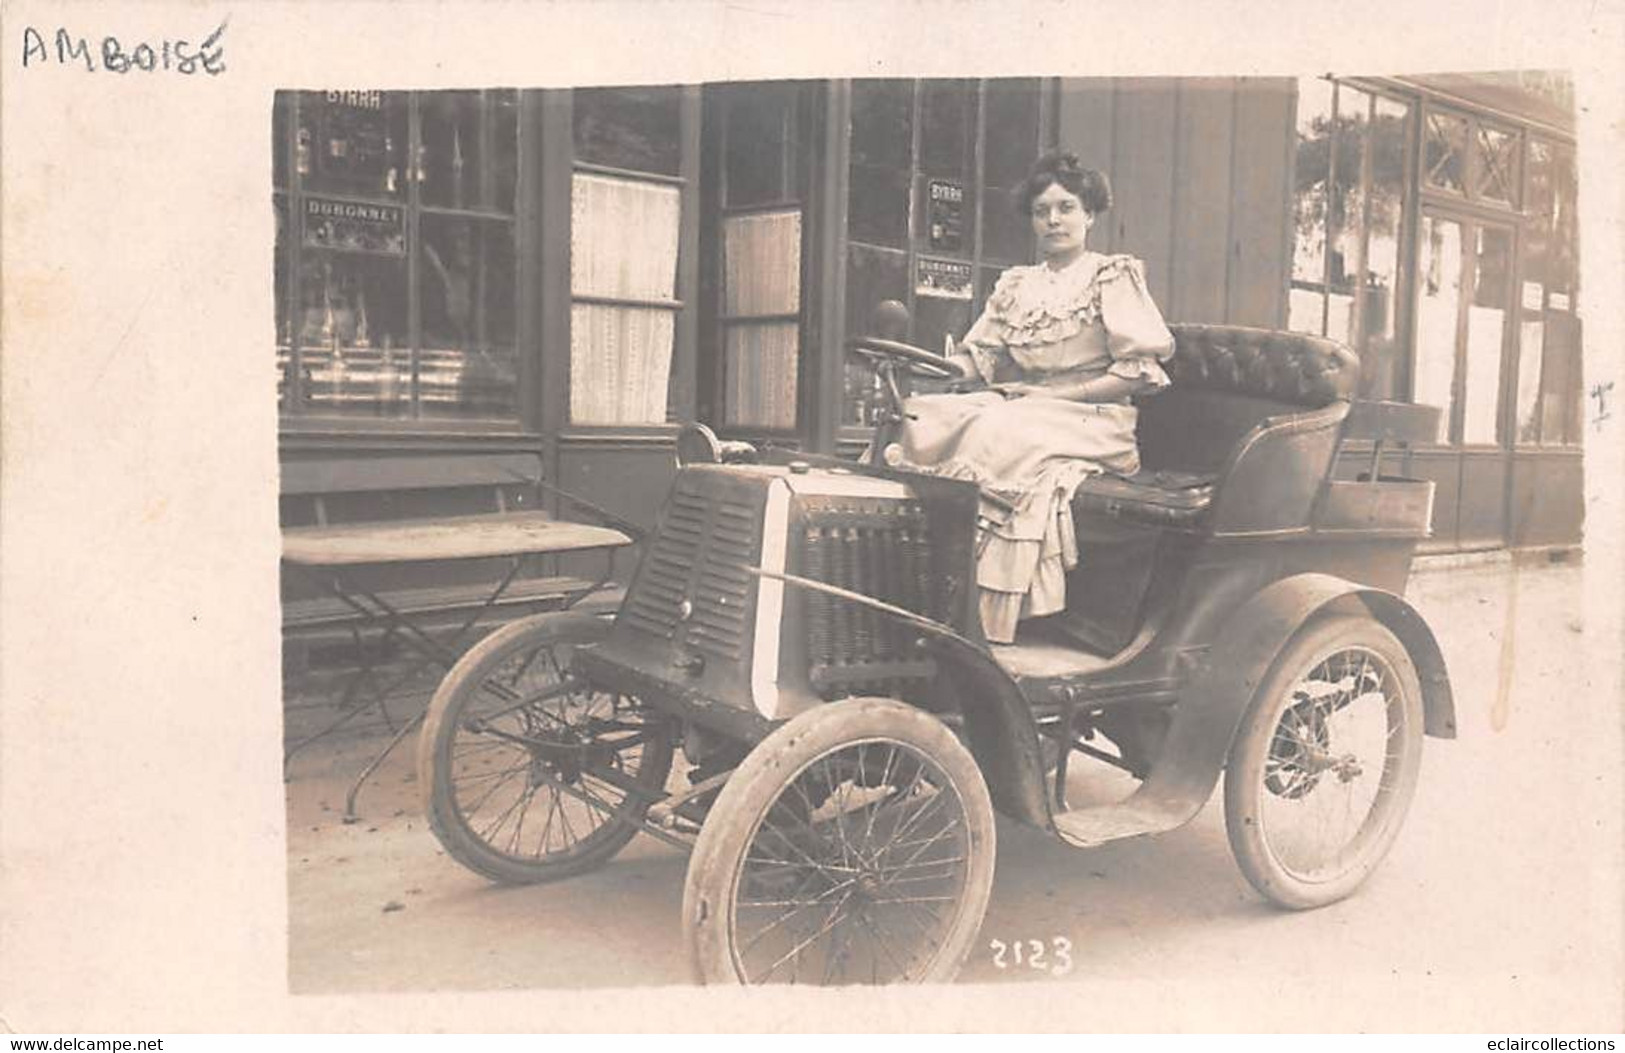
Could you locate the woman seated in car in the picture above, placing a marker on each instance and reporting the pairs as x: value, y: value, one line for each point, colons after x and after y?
x: 1060, y: 350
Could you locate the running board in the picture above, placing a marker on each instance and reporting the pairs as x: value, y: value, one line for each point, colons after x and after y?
x: 1146, y: 812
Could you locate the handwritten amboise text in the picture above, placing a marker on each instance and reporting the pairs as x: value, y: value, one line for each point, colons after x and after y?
x: 166, y: 54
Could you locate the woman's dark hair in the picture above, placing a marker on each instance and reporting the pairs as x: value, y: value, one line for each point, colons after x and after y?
x: 1064, y: 169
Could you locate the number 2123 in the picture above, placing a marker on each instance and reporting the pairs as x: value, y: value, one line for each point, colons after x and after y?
x: 1054, y: 957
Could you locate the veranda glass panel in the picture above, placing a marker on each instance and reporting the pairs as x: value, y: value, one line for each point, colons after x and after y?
x: 1348, y: 200
x: 1486, y: 333
x: 1497, y: 169
x: 1381, y: 352
x: 1562, y: 388
x: 1444, y: 151
x: 1536, y: 252
x: 1438, y: 300
x: 1311, y: 174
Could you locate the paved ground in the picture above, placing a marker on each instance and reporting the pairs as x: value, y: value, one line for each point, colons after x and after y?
x: 1505, y: 879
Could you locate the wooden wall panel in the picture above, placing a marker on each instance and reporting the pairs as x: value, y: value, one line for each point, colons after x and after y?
x: 1261, y: 187
x: 1547, y: 498
x: 626, y: 476
x: 1482, y: 522
x: 1201, y: 172
x: 1143, y: 156
x: 1201, y: 202
x: 1084, y: 126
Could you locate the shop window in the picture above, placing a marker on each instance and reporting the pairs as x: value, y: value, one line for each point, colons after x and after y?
x: 635, y: 129
x: 761, y: 318
x: 395, y: 267
x: 880, y: 274
x: 1349, y: 225
x: 468, y: 160
x: 933, y: 166
x: 762, y: 162
x: 625, y: 225
x: 623, y: 283
x: 466, y: 289
x: 882, y: 131
x: 759, y: 322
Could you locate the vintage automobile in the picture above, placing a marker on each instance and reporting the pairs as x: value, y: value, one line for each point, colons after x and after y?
x: 805, y: 630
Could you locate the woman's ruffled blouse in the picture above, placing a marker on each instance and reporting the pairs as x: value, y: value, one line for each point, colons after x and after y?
x: 1096, y: 312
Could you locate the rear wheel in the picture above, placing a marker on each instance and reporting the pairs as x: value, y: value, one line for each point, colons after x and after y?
x: 528, y: 775
x: 1325, y: 763
x: 853, y: 845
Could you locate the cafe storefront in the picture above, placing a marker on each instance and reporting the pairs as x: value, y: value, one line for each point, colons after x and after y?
x: 569, y: 275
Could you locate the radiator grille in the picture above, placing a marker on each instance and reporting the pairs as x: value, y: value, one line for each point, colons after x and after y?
x: 700, y: 554
x: 881, y: 549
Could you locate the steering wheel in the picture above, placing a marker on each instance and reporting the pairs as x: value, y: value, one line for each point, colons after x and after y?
x: 917, y: 361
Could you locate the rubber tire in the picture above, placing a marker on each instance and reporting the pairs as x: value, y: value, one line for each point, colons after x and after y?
x: 1244, y: 774
x: 440, y: 729
x: 725, y: 837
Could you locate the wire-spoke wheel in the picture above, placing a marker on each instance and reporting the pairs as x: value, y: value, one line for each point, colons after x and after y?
x: 527, y: 774
x: 853, y: 845
x: 1325, y: 764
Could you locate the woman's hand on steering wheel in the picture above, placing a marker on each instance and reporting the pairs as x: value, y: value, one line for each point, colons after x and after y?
x: 917, y: 361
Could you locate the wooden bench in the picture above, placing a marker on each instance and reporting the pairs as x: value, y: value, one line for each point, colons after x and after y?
x: 395, y: 488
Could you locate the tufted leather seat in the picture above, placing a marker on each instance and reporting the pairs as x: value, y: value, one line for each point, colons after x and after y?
x: 1163, y: 498
x: 1308, y: 371
x: 1225, y: 380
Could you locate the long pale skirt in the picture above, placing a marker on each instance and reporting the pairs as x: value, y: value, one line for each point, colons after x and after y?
x: 1033, y: 452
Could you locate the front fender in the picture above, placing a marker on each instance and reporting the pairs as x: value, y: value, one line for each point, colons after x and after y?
x: 998, y: 723
x: 999, y: 727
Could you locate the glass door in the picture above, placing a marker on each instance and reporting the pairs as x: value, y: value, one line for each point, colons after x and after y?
x: 1463, y: 319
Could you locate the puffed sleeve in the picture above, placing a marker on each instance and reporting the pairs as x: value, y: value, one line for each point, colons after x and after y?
x: 1136, y: 336
x: 985, y: 342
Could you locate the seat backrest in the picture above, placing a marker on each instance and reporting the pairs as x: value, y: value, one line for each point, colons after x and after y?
x: 1226, y: 379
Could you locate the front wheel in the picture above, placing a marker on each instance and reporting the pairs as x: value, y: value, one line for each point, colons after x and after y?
x: 528, y: 774
x: 853, y: 845
x: 1325, y: 763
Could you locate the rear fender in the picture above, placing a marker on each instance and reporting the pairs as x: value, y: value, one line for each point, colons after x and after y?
x: 1222, y: 685
x: 1004, y: 740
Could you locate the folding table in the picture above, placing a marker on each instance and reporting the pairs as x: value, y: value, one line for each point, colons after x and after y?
x: 329, y: 555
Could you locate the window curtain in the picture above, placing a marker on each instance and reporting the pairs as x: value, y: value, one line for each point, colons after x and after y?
x: 623, y: 247
x: 762, y: 279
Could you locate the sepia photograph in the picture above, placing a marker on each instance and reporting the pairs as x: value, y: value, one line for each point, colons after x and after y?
x: 819, y: 530
x: 1138, y: 535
